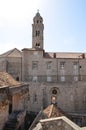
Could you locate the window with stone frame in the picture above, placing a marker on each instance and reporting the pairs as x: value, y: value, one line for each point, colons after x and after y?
x: 35, y: 78
x: 49, y: 79
x: 54, y: 91
x: 63, y: 78
x: 62, y: 63
x: 75, y: 65
x: 84, y: 98
x: 49, y: 64
x: 35, y: 65
x: 35, y: 98
x: 38, y: 45
x: 75, y: 78
x: 37, y: 32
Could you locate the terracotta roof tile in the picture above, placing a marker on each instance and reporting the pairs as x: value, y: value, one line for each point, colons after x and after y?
x: 17, y: 53
x: 7, y: 80
x: 53, y: 111
x: 64, y: 55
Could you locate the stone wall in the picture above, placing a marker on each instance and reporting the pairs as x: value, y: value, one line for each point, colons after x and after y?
x: 12, y: 99
x: 69, y: 72
x: 60, y: 123
x: 19, y: 97
x: 4, y: 108
x: 70, y: 97
x: 13, y: 66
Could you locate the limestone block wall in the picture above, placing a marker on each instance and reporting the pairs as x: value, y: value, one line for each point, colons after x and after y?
x: 19, y: 101
x: 4, y: 108
x: 14, y: 67
x: 3, y: 64
x: 69, y: 97
x: 71, y: 73
x: 60, y: 123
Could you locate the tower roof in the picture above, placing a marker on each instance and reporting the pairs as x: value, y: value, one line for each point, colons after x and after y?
x: 38, y: 14
x: 37, y: 17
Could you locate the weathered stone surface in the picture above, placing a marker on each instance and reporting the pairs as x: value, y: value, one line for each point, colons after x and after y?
x: 7, y: 80
x: 13, y: 97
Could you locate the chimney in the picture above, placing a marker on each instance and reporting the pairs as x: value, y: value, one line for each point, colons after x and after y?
x: 83, y: 56
x: 54, y: 55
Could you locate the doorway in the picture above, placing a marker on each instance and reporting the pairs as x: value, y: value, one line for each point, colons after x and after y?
x: 10, y: 108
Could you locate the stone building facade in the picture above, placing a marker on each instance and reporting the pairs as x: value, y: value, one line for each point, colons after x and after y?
x: 53, y: 76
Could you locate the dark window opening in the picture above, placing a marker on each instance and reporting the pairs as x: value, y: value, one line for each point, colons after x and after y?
x: 37, y: 21
x: 38, y: 45
x: 35, y: 65
x: 37, y: 33
x: 10, y: 108
x: 17, y: 78
x: 35, y: 98
x: 80, y: 66
x: 54, y: 91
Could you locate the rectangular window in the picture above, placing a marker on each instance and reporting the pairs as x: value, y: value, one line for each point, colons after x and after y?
x: 37, y: 33
x: 49, y: 79
x: 35, y: 78
x: 84, y: 99
x: 49, y: 64
x: 62, y: 65
x: 75, y: 65
x: 75, y: 78
x: 35, y: 65
x: 35, y: 98
x: 62, y: 78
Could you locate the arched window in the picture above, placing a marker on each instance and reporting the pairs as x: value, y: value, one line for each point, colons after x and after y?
x: 37, y: 21
x: 54, y: 91
x: 38, y: 45
x: 37, y: 33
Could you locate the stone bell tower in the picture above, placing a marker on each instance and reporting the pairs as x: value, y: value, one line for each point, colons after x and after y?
x: 37, y: 31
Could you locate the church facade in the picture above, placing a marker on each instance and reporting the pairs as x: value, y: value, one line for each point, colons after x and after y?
x: 54, y: 77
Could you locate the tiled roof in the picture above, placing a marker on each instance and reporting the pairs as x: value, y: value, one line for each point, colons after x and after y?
x: 7, y: 80
x: 64, y: 55
x: 13, y: 53
x: 49, y: 112
x: 53, y: 111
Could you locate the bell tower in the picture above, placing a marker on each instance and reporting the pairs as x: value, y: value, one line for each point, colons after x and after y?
x: 37, y: 31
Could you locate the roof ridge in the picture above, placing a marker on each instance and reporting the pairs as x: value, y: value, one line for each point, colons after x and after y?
x: 11, y: 51
x: 51, y: 110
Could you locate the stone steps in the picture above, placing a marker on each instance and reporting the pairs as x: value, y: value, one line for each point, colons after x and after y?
x: 15, y: 120
x: 11, y: 124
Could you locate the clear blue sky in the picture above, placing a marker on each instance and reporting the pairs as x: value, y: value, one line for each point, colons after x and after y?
x: 64, y: 24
